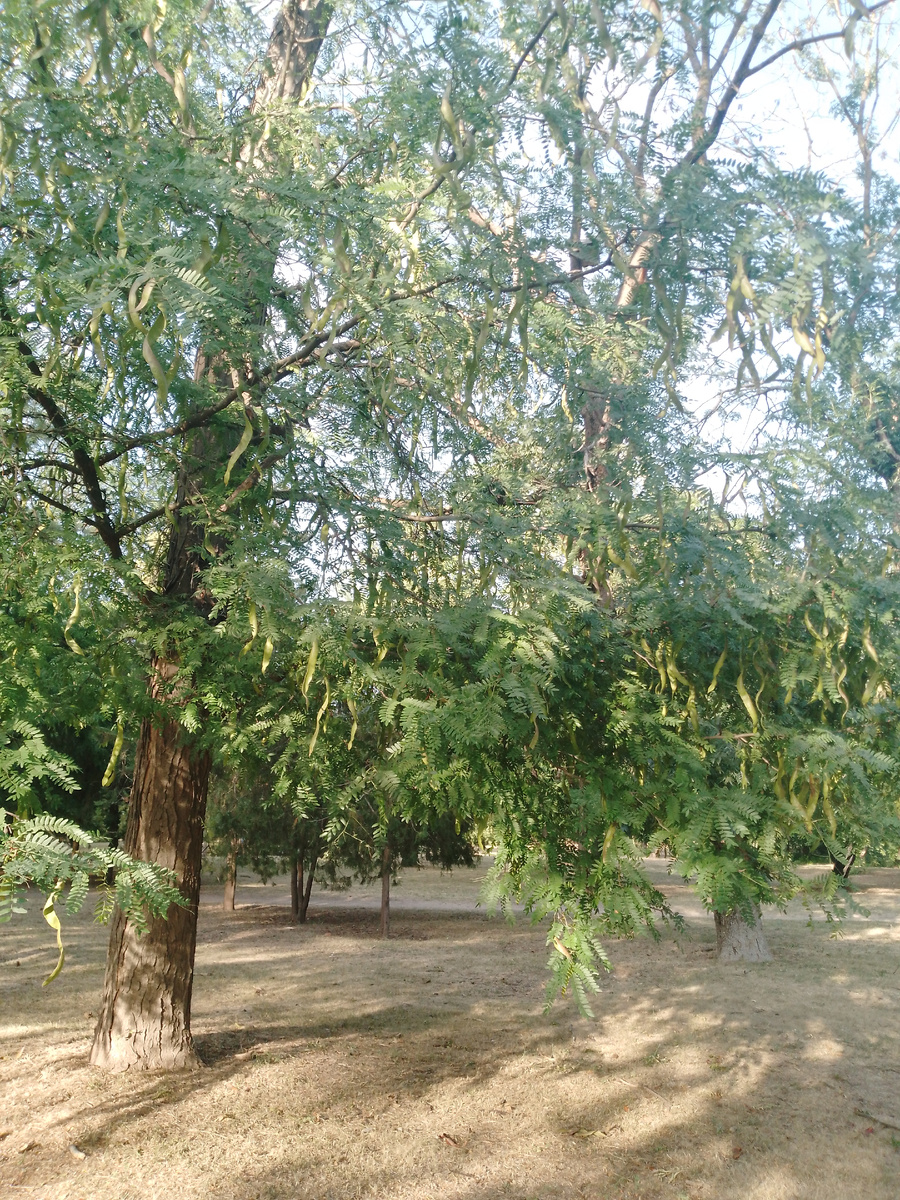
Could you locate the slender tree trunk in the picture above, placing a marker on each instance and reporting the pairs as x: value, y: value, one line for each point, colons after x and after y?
x: 740, y: 940
x: 145, y: 1014
x: 230, y: 877
x: 385, y: 891
x: 296, y: 886
x: 843, y: 868
x: 305, y: 894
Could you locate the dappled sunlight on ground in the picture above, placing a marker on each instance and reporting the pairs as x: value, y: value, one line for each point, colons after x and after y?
x: 342, y: 1066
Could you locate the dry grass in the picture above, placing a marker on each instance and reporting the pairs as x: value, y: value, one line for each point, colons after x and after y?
x: 341, y: 1066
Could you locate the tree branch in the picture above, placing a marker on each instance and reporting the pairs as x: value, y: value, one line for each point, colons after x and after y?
x: 528, y: 49
x: 736, y: 28
x: 740, y: 75
x: 133, y: 526
x: 746, y: 69
x: 54, y: 503
x: 259, y: 381
x: 84, y: 464
x: 801, y: 43
x: 253, y: 477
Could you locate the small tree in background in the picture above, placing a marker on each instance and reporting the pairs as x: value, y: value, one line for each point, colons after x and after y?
x: 241, y: 826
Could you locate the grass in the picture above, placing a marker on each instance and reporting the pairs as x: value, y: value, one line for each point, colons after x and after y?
x: 340, y: 1066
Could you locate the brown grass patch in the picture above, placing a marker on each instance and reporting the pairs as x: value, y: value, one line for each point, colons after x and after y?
x: 340, y: 1066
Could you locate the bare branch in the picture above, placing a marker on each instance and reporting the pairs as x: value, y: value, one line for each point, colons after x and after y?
x: 653, y: 96
x: 801, y: 43
x: 736, y: 28
x: 740, y: 75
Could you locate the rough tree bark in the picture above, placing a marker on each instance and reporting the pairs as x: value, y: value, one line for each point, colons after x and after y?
x: 145, y: 1017
x: 144, y: 1020
x: 740, y: 940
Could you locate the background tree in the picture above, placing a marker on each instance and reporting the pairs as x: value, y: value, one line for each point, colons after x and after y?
x: 241, y: 826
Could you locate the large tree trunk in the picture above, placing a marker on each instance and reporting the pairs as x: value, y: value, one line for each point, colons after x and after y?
x: 740, y: 940
x: 145, y: 1014
x: 230, y: 877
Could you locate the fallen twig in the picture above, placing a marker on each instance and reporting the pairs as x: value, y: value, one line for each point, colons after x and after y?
x: 887, y: 1122
x: 628, y: 1083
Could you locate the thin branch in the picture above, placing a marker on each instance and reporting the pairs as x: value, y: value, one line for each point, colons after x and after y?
x: 736, y: 28
x: 434, y: 186
x: 260, y: 381
x: 256, y: 381
x: 431, y: 518
x: 254, y: 477
x: 743, y: 71
x: 346, y: 163
x: 801, y: 43
x: 643, y: 138
x: 133, y: 526
x: 45, y: 499
x: 528, y: 49
x: 84, y: 464
x: 36, y: 463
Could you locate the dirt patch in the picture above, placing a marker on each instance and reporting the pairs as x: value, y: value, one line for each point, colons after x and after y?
x: 340, y: 1066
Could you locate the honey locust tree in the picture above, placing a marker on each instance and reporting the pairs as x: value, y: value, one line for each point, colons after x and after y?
x: 242, y: 320
x: 219, y: 289
x: 259, y: 290
x: 681, y: 225
x: 671, y: 245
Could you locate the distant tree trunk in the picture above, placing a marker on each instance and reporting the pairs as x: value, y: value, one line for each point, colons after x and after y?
x: 843, y: 868
x: 230, y: 877
x: 296, y: 886
x: 307, y: 892
x: 385, y: 891
x: 740, y: 940
x: 145, y: 1014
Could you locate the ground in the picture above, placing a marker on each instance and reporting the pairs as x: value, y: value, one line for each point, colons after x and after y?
x: 340, y: 1066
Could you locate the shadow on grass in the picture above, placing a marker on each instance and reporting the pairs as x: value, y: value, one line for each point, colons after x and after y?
x: 694, y: 1082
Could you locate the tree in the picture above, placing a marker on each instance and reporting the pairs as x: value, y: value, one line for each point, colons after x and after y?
x: 241, y: 826
x: 272, y: 823
x: 246, y: 325
x: 361, y: 808
x: 691, y: 235
x: 156, y: 345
